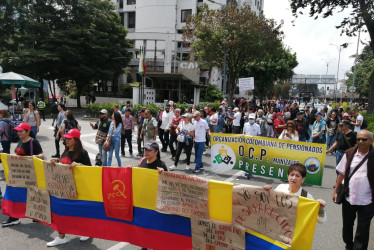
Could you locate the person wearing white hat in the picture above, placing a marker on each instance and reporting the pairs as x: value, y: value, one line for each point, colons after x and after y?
x: 236, y: 121
x: 251, y: 127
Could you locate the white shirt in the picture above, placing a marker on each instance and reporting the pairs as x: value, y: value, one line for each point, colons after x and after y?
x: 214, y: 117
x: 253, y: 130
x: 201, y: 127
x: 236, y: 121
x: 283, y: 136
x: 359, y: 186
x: 166, y: 120
x: 3, y: 106
x: 359, y: 118
x: 269, y: 117
x: 186, y: 127
x: 285, y: 188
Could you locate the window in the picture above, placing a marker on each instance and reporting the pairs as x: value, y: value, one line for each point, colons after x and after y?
x: 122, y: 15
x: 121, y: 4
x: 131, y: 17
x: 131, y: 2
x: 200, y: 1
x: 185, y: 14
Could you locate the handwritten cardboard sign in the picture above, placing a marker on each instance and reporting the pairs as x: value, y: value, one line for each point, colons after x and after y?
x: 211, y: 234
x: 183, y: 195
x: 59, y: 180
x: 38, y: 204
x: 270, y: 213
x: 21, y: 171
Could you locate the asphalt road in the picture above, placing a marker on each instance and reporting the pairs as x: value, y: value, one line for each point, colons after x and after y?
x: 33, y: 236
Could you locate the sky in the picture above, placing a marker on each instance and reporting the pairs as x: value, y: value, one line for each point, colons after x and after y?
x: 310, y: 39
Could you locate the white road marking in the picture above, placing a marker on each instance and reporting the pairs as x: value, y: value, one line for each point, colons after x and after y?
x: 239, y: 173
x: 119, y: 246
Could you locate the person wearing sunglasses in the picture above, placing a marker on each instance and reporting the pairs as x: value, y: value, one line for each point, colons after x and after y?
x: 102, y: 127
x: 152, y: 159
x: 358, y: 189
x: 290, y: 133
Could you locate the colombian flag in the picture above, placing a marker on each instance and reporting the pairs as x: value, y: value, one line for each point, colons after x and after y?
x: 86, y: 216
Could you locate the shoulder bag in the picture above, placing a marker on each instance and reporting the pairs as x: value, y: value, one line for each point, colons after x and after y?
x: 107, y: 144
x: 341, y: 189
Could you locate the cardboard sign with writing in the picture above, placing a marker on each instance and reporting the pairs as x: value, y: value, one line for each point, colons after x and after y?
x: 212, y: 234
x: 21, y: 171
x: 270, y: 213
x: 59, y: 180
x: 38, y: 204
x: 117, y: 193
x: 183, y: 195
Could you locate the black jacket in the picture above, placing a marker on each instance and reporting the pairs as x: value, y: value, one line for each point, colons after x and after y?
x: 304, y: 127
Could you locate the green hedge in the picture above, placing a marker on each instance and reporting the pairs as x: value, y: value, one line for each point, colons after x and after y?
x: 370, y: 121
x: 93, y: 109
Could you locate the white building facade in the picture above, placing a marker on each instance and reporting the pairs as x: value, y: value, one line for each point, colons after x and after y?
x: 157, y: 26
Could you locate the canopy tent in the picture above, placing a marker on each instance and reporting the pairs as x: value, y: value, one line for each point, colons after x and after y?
x: 18, y: 80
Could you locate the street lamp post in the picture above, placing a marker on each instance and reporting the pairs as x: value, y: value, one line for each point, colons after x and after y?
x: 355, y: 69
x: 340, y: 48
x: 327, y: 70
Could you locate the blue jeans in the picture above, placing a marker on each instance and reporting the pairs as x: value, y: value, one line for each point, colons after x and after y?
x: 115, y: 145
x: 103, y: 154
x: 330, y: 140
x: 302, y: 138
x: 34, y: 129
x: 310, y: 133
x: 199, y: 149
x: 339, y: 156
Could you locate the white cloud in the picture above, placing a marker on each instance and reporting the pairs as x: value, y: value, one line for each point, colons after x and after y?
x: 310, y: 39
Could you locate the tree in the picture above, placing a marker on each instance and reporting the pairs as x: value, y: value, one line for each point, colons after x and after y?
x: 211, y: 93
x: 238, y: 33
x: 365, y: 68
x: 362, y: 16
x: 277, y: 66
x: 79, y: 40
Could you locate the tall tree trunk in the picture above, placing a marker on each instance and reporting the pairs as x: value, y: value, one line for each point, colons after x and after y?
x: 230, y: 91
x: 370, y: 108
x: 41, y: 89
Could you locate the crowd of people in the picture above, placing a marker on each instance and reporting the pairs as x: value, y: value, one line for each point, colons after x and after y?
x: 184, y: 131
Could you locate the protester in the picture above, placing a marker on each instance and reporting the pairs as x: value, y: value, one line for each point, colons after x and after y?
x: 166, y: 119
x: 302, y: 126
x: 251, y: 128
x: 213, y: 121
x: 269, y: 120
x: 139, y: 124
x: 312, y: 119
x: 41, y: 106
x: 201, y: 129
x: 290, y: 133
x: 359, y: 121
x: 358, y: 201
x: 59, y: 122
x: 69, y: 123
x: 24, y: 148
x: 296, y: 176
x: 221, y: 120
x: 236, y: 121
x: 54, y: 113
x: 318, y: 129
x: 74, y: 155
x: 152, y: 159
x: 128, y: 128
x: 173, y: 132
x: 185, y: 130
x: 102, y: 126
x: 31, y: 116
x: 279, y: 124
x: 4, y: 130
x: 113, y: 138
x: 345, y: 139
x: 149, y: 130
x: 332, y: 128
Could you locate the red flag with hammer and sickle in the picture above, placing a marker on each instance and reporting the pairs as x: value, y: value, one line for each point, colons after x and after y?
x: 117, y: 192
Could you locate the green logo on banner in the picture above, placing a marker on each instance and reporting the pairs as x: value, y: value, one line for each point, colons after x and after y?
x: 313, y: 165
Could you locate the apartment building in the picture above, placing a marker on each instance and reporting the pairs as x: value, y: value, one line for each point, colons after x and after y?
x: 157, y: 26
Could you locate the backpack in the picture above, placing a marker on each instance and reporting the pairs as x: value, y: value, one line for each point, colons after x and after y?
x: 364, y: 124
x: 12, y: 134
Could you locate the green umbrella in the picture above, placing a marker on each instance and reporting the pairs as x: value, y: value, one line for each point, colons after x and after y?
x: 18, y: 80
